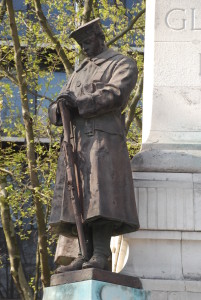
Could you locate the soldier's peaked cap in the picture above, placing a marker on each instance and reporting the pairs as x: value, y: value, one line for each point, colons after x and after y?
x: 84, y: 31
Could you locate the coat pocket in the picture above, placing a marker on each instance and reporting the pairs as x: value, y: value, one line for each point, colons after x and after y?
x: 93, y: 87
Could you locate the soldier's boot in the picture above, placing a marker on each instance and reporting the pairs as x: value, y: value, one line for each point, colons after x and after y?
x: 101, y: 244
x: 77, y: 263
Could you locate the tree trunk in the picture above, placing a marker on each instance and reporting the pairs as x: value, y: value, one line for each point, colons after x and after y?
x: 60, y: 51
x: 87, y: 11
x: 42, y: 239
x: 11, y: 241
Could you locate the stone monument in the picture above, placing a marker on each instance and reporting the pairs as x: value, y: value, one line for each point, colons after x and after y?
x: 166, y: 253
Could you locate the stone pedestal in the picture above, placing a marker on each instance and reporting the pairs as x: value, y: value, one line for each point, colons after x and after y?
x: 94, y: 284
x: 169, y: 207
x: 165, y: 253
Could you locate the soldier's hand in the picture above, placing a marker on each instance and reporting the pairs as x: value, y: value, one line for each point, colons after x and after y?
x: 69, y: 99
x: 68, y: 102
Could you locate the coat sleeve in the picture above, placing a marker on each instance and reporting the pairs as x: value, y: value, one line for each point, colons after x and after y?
x: 112, y: 95
x: 54, y: 115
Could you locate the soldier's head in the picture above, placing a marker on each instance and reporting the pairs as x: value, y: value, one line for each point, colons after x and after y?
x: 90, y: 37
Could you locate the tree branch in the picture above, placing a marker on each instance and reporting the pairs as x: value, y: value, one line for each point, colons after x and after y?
x: 11, y: 241
x: 46, y: 27
x: 6, y: 171
x: 23, y: 185
x: 37, y: 274
x: 130, y: 26
x: 39, y: 95
x: 136, y: 98
x: 21, y: 77
x: 88, y: 4
x: 9, y: 75
x: 13, y: 79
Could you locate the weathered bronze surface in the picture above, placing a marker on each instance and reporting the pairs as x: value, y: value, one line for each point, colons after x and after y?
x: 95, y: 274
x: 96, y: 94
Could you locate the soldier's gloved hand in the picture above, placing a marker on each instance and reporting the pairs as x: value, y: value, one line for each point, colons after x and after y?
x: 69, y: 99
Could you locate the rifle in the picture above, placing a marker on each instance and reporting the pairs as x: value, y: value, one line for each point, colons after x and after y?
x: 71, y: 178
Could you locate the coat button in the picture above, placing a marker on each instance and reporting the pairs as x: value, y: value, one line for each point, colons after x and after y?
x: 78, y: 83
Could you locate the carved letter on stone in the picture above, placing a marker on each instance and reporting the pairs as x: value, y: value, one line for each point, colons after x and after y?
x: 194, y: 20
x: 172, y: 26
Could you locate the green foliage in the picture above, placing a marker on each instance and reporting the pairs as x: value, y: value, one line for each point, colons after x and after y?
x: 134, y: 138
x: 19, y: 190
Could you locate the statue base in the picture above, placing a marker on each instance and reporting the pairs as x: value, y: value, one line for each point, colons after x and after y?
x: 94, y: 284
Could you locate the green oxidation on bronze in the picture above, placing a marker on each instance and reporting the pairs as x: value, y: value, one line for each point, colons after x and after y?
x: 60, y: 292
x: 117, y: 292
x: 94, y: 290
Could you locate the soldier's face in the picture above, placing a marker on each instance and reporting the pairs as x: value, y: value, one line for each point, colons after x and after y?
x: 92, y: 46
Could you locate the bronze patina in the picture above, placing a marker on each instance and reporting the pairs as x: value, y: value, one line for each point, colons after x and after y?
x: 96, y: 94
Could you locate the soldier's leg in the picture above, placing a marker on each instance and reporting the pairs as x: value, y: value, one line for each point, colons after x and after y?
x: 102, y: 232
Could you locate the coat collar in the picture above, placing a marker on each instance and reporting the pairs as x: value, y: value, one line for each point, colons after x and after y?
x: 105, y: 55
x: 99, y: 59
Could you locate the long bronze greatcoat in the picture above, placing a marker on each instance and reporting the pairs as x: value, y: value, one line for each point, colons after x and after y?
x: 102, y: 86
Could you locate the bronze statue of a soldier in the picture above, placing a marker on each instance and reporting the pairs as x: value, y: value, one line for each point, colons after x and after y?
x: 96, y: 94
